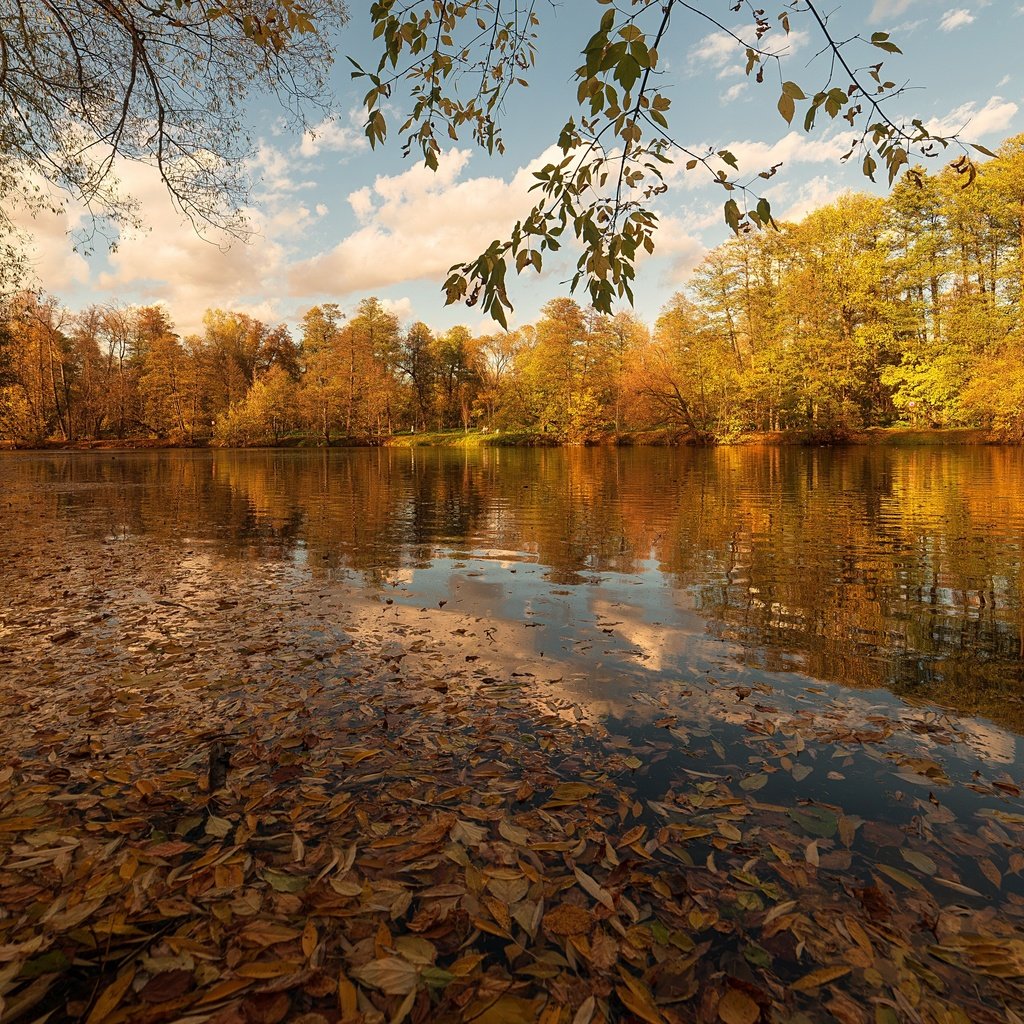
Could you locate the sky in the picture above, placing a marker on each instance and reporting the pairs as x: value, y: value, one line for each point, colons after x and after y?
x: 336, y: 221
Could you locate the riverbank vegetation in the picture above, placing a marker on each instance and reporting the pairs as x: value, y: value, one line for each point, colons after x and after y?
x: 869, y: 312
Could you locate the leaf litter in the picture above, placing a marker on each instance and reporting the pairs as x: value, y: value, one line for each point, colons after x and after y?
x: 228, y: 799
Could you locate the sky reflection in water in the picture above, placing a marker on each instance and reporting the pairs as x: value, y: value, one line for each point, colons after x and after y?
x: 865, y: 569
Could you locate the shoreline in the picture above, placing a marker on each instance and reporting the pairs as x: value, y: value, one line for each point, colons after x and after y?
x: 910, y: 437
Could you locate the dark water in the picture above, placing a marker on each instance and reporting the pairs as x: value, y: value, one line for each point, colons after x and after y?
x: 870, y: 568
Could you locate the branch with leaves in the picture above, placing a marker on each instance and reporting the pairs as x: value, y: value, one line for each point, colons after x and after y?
x: 85, y: 84
x: 618, y: 146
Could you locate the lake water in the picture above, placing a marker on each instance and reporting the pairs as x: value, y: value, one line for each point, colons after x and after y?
x: 805, y: 662
x: 867, y: 568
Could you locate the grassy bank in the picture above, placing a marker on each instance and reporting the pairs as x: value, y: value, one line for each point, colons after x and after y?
x: 658, y: 437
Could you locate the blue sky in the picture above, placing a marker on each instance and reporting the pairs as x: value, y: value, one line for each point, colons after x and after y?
x: 337, y: 221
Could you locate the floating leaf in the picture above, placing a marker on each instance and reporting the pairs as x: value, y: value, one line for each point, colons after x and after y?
x: 920, y: 861
x: 591, y: 886
x: 819, y: 821
x: 816, y: 978
x: 736, y: 1007
x: 752, y: 783
x: 391, y: 974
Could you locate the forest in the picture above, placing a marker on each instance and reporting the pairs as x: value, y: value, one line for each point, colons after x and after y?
x: 869, y: 312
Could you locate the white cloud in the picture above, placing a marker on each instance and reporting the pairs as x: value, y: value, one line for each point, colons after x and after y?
x: 676, y: 243
x: 725, y: 51
x: 889, y: 9
x: 809, y: 196
x: 734, y: 92
x: 171, y: 263
x: 955, y: 19
x: 332, y: 136
x: 402, y: 308
x: 995, y: 116
x: 793, y: 148
x: 416, y: 224
x: 53, y: 263
x: 717, y: 49
x: 272, y: 168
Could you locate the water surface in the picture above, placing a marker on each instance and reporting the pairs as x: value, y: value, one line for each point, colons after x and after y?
x: 864, y: 568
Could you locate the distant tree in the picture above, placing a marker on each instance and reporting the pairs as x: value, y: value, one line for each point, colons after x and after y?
x: 497, y: 361
x: 565, y: 370
x: 686, y: 373
x: 264, y: 415
x: 321, y: 395
x: 456, y: 375
x: 418, y: 364
x: 242, y: 347
x: 373, y: 343
x: 41, y: 401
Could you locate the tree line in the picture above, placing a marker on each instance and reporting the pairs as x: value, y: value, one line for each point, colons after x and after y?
x: 868, y: 312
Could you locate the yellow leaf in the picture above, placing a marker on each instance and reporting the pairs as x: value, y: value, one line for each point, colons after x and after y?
x: 309, y: 939
x: 110, y: 997
x: 585, y: 1013
x: 348, y: 998
x: 572, y: 792
x: 356, y: 754
x: 817, y: 978
x: 266, y: 969
x: 591, y: 886
x: 907, y: 881
x: 466, y: 964
x: 224, y: 989
x: 639, y: 1004
x: 919, y: 861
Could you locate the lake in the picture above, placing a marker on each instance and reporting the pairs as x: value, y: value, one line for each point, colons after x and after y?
x: 760, y: 709
x: 867, y: 568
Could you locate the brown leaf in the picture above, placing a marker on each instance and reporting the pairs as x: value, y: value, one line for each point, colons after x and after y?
x: 640, y: 1003
x: 391, y: 974
x: 266, y: 1007
x: 166, y: 986
x: 591, y: 886
x: 585, y: 1013
x: 568, y: 919
x: 604, y: 951
x: 736, y: 1007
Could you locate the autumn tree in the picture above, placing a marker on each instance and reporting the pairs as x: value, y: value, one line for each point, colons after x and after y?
x: 242, y: 347
x: 57, y: 387
x: 373, y: 344
x: 265, y: 413
x: 456, y: 376
x: 686, y: 373
x: 496, y: 366
x: 565, y: 370
x: 417, y: 363
x: 322, y: 390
